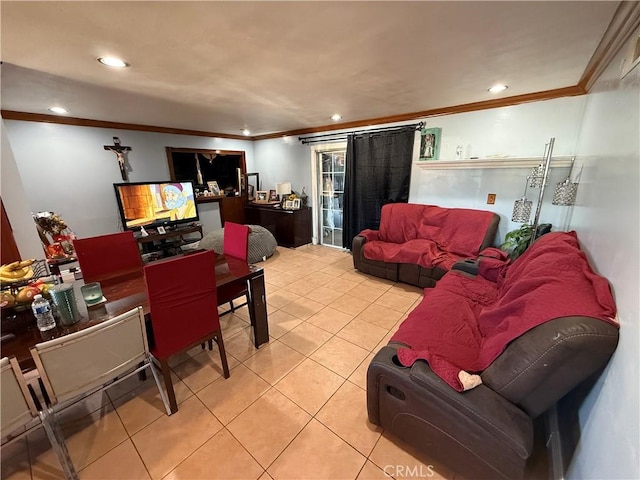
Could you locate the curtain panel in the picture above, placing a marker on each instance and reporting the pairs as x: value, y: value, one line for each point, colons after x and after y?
x: 377, y: 172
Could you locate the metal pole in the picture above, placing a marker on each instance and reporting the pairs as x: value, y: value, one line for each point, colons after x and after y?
x: 417, y: 126
x: 547, y: 162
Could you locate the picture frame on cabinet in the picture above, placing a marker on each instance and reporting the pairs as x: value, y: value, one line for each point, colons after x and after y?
x: 273, y: 196
x: 288, y: 204
x: 262, y: 196
x: 296, y: 204
x: 214, y: 189
x: 430, y: 143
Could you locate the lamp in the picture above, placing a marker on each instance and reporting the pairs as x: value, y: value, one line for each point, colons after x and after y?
x: 565, y: 192
x: 283, y: 189
x: 522, y: 208
x: 538, y: 178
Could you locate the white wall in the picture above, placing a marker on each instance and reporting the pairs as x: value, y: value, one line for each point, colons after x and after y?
x: 606, y: 218
x: 16, y: 203
x: 65, y: 169
x: 514, y: 131
x: 283, y: 159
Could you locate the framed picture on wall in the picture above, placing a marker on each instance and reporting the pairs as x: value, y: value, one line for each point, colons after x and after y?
x: 430, y: 143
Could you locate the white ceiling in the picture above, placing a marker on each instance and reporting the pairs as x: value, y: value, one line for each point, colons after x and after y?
x: 278, y: 66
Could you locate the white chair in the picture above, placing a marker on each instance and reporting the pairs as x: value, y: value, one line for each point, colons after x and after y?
x: 20, y: 415
x: 81, y: 363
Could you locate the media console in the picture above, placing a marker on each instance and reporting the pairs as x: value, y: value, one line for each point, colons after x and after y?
x: 167, y: 243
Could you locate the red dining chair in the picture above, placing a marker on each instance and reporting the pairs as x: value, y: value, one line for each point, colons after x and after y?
x: 183, y: 304
x: 235, y: 244
x: 103, y: 256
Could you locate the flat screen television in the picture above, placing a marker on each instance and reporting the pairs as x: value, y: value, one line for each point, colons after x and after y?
x: 155, y: 204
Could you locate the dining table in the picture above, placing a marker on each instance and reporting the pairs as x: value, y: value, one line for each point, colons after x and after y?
x: 124, y: 290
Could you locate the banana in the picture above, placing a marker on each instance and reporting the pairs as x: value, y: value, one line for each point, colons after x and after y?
x: 16, y: 271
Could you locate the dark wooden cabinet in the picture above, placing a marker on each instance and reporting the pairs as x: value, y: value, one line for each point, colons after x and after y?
x: 292, y: 228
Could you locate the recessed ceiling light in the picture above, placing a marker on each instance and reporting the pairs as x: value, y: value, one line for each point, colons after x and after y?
x: 336, y: 116
x: 498, y: 88
x: 59, y: 110
x: 113, y: 62
x: 246, y: 132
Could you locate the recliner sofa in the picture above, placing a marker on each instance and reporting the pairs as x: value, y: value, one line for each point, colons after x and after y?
x: 534, y: 330
x: 417, y: 244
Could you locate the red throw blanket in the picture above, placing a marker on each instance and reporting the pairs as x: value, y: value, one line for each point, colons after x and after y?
x: 465, y: 323
x: 426, y: 235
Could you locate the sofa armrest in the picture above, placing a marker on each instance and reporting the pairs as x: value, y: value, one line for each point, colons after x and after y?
x: 491, y: 233
x: 477, y: 433
x: 476, y: 414
x: 483, y: 406
x: 357, y: 247
x: 468, y: 265
x: 544, y: 364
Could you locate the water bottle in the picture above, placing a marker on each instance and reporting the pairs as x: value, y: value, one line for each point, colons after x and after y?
x: 42, y: 310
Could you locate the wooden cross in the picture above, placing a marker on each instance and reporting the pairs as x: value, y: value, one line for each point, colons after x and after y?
x: 119, y: 150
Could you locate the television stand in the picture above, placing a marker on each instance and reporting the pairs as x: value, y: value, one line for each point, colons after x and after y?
x: 168, y: 243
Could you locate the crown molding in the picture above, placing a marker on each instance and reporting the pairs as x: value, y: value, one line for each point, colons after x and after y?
x: 467, y: 107
x: 625, y: 21
x: 86, y: 122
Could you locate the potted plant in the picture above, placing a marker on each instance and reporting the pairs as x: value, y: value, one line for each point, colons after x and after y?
x: 517, y: 241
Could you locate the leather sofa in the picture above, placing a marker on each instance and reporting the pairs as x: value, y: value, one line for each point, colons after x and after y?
x: 418, y: 244
x: 486, y: 431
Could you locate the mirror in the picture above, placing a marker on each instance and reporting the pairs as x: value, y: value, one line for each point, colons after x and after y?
x: 253, y: 185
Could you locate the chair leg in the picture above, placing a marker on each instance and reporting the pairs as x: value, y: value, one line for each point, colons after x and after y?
x: 223, y: 354
x: 210, y: 344
x: 233, y: 309
x: 168, y: 383
x: 58, y: 443
x: 154, y: 372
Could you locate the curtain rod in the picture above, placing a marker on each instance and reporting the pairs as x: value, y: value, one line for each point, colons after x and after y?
x: 343, y: 135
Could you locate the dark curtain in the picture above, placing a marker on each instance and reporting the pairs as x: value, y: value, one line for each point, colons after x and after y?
x: 377, y: 172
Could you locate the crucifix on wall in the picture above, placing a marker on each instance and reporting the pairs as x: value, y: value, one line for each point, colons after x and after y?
x: 119, y: 150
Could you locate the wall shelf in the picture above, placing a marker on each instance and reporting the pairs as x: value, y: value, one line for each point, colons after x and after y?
x: 493, y: 162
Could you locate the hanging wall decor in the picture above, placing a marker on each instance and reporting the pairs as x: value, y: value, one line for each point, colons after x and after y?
x: 430, y: 143
x: 119, y: 150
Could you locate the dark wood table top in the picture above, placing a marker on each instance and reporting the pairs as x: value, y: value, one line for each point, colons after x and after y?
x: 123, y: 290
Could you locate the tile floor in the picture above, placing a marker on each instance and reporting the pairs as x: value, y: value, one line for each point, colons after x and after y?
x: 294, y: 409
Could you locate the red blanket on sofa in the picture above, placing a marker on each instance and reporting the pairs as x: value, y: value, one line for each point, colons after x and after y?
x: 426, y: 235
x: 465, y: 323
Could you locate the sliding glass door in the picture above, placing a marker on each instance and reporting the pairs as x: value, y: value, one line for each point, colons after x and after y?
x: 331, y: 189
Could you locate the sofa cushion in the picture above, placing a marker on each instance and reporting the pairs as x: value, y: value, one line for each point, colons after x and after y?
x: 426, y: 234
x: 465, y: 323
x: 423, y: 252
x: 456, y: 230
x: 399, y: 222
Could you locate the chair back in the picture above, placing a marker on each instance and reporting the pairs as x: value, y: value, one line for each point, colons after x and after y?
x: 107, y: 254
x: 18, y: 408
x: 183, y: 301
x: 79, y: 362
x: 236, y: 240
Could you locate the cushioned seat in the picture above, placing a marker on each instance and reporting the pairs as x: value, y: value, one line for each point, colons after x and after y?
x: 262, y: 243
